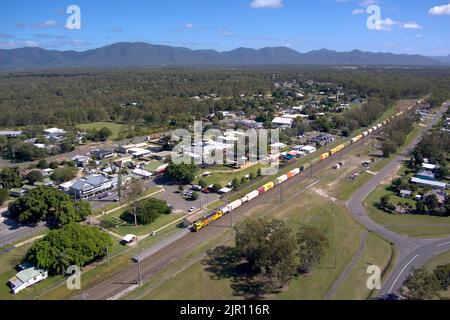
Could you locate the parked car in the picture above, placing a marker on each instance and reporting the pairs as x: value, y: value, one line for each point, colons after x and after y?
x: 193, y: 209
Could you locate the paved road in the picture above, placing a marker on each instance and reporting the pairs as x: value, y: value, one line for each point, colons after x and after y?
x: 413, y: 252
x: 171, y: 252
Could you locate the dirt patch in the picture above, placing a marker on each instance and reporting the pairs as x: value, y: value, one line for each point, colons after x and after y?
x: 324, y: 194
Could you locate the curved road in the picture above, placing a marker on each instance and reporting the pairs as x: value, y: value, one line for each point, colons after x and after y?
x: 413, y: 252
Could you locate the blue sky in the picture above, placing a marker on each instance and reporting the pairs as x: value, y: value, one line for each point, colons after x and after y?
x: 405, y: 26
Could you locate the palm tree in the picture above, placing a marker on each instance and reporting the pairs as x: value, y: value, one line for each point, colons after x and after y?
x: 61, y: 263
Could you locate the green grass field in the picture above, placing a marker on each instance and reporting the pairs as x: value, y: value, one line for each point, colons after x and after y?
x: 115, y: 224
x: 376, y: 252
x: 114, y: 127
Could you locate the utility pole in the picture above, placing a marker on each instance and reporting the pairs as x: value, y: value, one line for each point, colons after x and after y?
x: 309, y: 200
x: 119, y: 185
x: 107, y: 255
x: 231, y: 219
x: 139, y: 273
x: 281, y: 193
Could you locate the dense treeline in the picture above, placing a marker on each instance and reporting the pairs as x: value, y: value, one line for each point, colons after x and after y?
x: 163, y: 97
x: 74, y: 244
x: 395, y: 133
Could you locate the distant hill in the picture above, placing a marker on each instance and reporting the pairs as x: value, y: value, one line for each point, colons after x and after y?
x: 143, y: 54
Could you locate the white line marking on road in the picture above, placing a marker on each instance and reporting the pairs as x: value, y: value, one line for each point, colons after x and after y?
x: 404, y: 268
x: 443, y: 244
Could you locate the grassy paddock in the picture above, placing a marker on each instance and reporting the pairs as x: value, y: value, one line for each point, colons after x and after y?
x: 114, y: 127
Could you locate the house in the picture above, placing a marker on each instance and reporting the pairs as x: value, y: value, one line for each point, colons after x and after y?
x: 55, y: 132
x: 405, y: 193
x: 81, y: 161
x: 16, y: 192
x: 11, y: 134
x: 162, y: 155
x: 281, y: 122
x: 121, y: 162
x: 433, y: 184
x: 308, y: 149
x: 426, y: 175
x: 102, y: 154
x: 142, y: 173
x: 440, y: 195
x: 91, y: 185
x: 26, y: 278
x: 138, y: 152
x: 429, y: 166
x: 278, y: 146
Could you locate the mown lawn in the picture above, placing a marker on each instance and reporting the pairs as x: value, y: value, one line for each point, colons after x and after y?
x: 376, y: 252
x: 114, y: 127
x: 114, y: 223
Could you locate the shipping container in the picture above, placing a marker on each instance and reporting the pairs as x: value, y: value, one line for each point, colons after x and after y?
x: 252, y: 195
x: 234, y: 205
x: 295, y: 171
x: 365, y: 133
x: 225, y: 209
x: 281, y: 179
x: 268, y: 186
x: 261, y: 190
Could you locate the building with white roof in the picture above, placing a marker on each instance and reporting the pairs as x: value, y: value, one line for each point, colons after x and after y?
x: 282, y: 122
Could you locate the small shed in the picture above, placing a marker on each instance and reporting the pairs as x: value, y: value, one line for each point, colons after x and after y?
x: 129, y: 240
x: 405, y: 193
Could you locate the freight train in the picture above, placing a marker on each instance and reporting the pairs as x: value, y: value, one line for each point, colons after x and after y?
x: 217, y: 214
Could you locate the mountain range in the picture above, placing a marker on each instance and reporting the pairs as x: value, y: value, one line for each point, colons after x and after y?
x: 125, y: 54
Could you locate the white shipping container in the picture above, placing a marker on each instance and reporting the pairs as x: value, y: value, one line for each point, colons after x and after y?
x: 225, y: 209
x: 234, y: 205
x: 295, y: 172
x: 281, y: 179
x: 252, y: 195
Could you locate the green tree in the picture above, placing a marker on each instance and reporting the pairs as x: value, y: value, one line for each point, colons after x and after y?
x: 216, y: 187
x: 442, y: 274
x: 42, y: 164
x: 104, y: 134
x: 181, y: 173
x: 34, y: 176
x: 4, y: 195
x: 194, y: 196
x: 311, y: 247
x: 64, y: 174
x: 269, y: 248
x: 74, y: 244
x: 147, y: 211
x: 202, y: 183
x: 421, y: 285
x: 48, y: 203
x: 10, y: 178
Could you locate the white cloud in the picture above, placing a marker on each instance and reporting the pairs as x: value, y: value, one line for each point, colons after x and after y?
x: 358, y: 11
x: 385, y: 24
x: 18, y: 44
x: 443, y: 10
x: 45, y: 25
x: 411, y: 25
x: 272, y: 4
x: 189, y: 25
